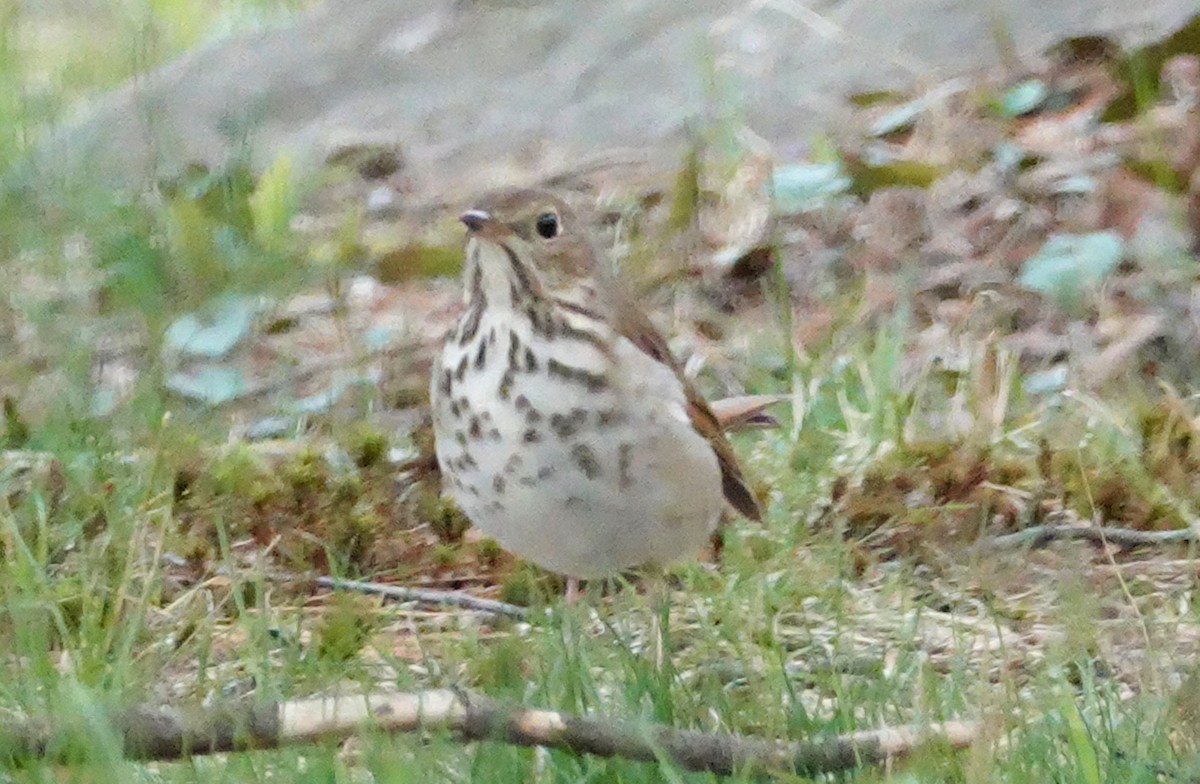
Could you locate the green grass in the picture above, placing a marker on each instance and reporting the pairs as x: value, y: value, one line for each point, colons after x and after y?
x: 857, y: 604
x: 793, y: 636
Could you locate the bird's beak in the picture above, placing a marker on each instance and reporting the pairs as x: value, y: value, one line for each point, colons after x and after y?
x: 482, y: 224
x: 475, y: 220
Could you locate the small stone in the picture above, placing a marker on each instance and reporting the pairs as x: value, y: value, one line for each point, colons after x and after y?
x: 370, y: 160
x: 383, y: 202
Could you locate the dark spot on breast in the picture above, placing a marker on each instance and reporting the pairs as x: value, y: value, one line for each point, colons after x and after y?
x: 624, y: 464
x: 585, y: 460
x: 470, y: 324
x: 575, y: 502
x: 475, y: 429
x: 481, y: 355
x: 476, y: 274
x: 531, y: 363
x: 498, y: 484
x: 461, y: 370
x: 575, y: 307
x: 593, y: 339
x: 567, y: 425
x: 521, y: 402
x: 541, y: 321
x: 608, y: 417
x: 447, y: 383
x: 460, y: 437
x: 514, y: 349
x: 545, y: 472
x: 506, y: 384
x: 593, y: 382
x: 513, y: 463
x: 454, y: 410
x: 520, y: 274
x: 531, y: 436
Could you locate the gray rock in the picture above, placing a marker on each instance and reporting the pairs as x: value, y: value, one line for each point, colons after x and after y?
x: 382, y: 201
x: 474, y: 92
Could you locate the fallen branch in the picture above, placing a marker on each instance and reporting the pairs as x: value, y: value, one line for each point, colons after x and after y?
x: 167, y: 733
x: 403, y: 594
x: 1042, y: 535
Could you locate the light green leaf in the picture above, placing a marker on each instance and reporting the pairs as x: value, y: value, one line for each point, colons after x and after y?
x: 1047, y: 381
x: 870, y: 173
x: 1081, y: 743
x: 799, y: 187
x: 1008, y: 156
x: 378, y: 338
x: 269, y: 427
x: 320, y: 402
x: 104, y: 402
x: 1080, y: 183
x: 214, y: 332
x: 685, y: 196
x: 211, y: 385
x: 901, y: 118
x: 1067, y: 265
x: 418, y: 261
x: 1023, y: 97
x: 273, y: 203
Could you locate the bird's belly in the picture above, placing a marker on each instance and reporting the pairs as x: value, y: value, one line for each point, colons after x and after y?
x: 582, y: 482
x: 626, y: 505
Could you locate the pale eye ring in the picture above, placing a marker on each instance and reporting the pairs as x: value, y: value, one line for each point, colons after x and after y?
x: 547, y: 225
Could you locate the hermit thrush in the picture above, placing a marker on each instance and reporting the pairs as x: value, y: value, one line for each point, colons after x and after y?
x: 564, y: 427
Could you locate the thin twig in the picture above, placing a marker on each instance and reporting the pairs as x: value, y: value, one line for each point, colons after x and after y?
x: 169, y: 733
x: 402, y: 594
x: 1170, y: 567
x: 1042, y: 535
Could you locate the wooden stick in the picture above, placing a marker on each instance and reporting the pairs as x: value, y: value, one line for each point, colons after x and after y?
x: 166, y: 733
x: 402, y: 594
x: 1041, y: 535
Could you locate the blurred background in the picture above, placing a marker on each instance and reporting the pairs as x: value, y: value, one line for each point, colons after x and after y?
x: 959, y: 238
x: 174, y: 159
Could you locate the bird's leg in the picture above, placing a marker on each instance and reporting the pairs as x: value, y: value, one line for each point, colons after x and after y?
x: 573, y: 592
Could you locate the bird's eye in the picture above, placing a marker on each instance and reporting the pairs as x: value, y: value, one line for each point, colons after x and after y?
x: 547, y: 225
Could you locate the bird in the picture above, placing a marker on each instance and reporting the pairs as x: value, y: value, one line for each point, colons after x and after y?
x: 563, y: 426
